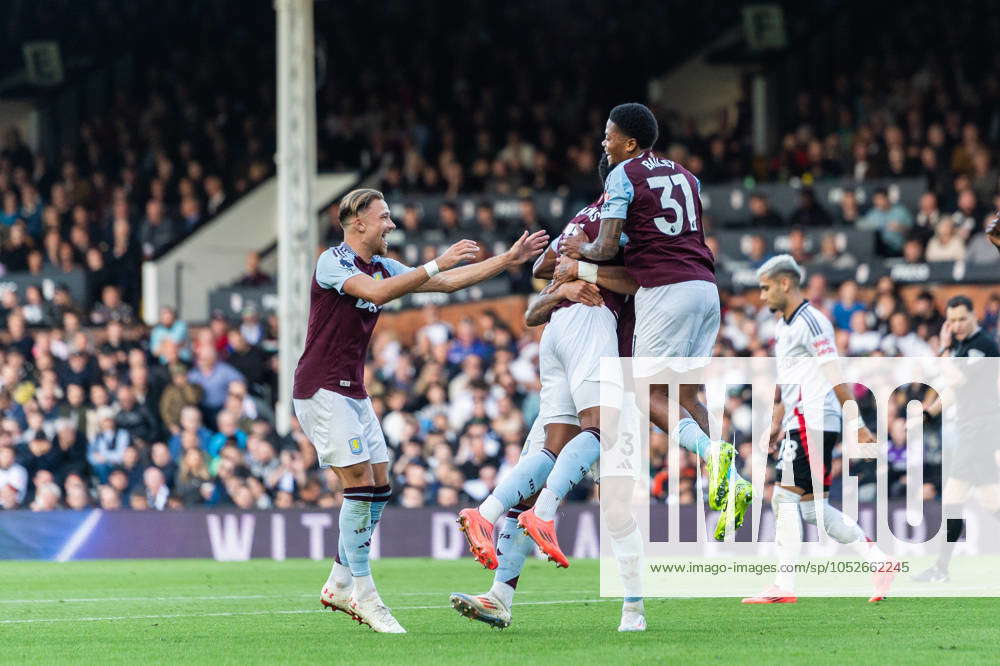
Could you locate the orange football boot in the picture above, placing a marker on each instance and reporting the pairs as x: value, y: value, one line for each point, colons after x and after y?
x: 543, y: 532
x: 883, y: 579
x: 479, y: 533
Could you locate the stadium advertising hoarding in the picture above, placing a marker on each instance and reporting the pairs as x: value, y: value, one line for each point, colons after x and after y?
x: 229, y: 534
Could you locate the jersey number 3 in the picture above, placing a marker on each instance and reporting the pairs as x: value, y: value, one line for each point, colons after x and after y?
x: 668, y: 202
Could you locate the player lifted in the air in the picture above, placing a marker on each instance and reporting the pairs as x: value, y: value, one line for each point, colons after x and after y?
x: 350, y: 285
x: 585, y: 323
x: 803, y: 332
x: 656, y: 203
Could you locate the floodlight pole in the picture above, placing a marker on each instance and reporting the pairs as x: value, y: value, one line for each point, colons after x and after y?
x: 296, y: 165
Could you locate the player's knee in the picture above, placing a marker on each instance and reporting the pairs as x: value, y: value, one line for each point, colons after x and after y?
x: 808, y: 510
x: 781, y: 496
x: 617, y: 516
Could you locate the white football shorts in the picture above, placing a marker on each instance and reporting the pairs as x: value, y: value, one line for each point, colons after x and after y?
x: 345, y: 431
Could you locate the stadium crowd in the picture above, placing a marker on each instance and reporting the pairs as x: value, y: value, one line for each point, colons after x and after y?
x: 118, y: 415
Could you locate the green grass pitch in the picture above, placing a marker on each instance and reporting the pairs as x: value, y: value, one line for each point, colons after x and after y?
x: 261, y: 611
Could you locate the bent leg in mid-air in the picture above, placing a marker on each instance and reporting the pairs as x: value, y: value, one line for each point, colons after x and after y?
x: 574, y: 461
x: 524, y: 481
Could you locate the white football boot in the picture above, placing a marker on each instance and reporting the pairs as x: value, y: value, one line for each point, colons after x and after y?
x: 633, y: 618
x: 375, y: 614
x: 337, y: 598
x: 487, y: 608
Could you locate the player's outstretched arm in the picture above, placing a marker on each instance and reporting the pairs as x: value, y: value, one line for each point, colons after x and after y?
x: 602, y: 248
x: 578, y: 291
x: 381, y: 292
x: 526, y: 247
x: 613, y: 278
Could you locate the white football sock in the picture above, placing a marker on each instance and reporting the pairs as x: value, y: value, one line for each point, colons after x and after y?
x: 628, y: 551
x: 787, y: 536
x: 546, y: 505
x: 503, y: 592
x: 364, y: 587
x: 491, y: 509
x: 340, y: 575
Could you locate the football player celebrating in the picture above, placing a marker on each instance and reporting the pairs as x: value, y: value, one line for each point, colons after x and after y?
x: 350, y: 285
x: 657, y: 204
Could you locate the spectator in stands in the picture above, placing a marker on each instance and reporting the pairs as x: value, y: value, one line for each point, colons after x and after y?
x: 215, y: 195
x: 966, y: 218
x: 862, y: 341
x: 849, y: 212
x: 16, y: 249
x: 809, y: 213
x: 847, y: 305
x: 927, y: 218
x: 761, y: 215
x: 12, y: 474
x: 945, y: 245
x: 107, y: 449
x: 157, y: 230
x: 831, y: 255
x: 891, y: 221
x: 112, y: 308
x: 190, y: 211
x: 249, y: 360
x: 212, y: 375
x: 133, y: 417
x: 927, y: 320
x: 254, y: 276
x: 757, y: 253
x: 901, y: 340
x: 981, y: 249
x: 797, y: 247
x: 177, y: 395
x: 169, y: 326
x: 157, y: 491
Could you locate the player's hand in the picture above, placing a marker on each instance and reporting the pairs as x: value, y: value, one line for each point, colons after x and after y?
x: 945, y: 338
x: 570, y: 245
x: 463, y: 250
x: 566, y: 270
x: 527, y: 247
x: 774, y: 440
x: 993, y: 230
x: 865, y: 436
x: 579, y: 291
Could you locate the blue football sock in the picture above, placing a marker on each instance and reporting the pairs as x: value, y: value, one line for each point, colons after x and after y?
x: 526, y: 479
x: 692, y: 437
x: 355, y: 523
x: 513, y: 547
x: 572, y: 465
x: 380, y: 497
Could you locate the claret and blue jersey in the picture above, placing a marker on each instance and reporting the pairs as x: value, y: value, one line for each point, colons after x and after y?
x: 660, y: 203
x: 340, y: 325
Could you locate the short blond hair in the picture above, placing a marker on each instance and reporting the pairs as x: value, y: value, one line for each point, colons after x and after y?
x: 355, y: 202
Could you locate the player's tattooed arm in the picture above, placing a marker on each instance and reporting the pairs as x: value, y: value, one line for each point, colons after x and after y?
x: 526, y: 247
x: 613, y: 278
x: 602, y: 248
x: 381, y: 292
x: 577, y: 291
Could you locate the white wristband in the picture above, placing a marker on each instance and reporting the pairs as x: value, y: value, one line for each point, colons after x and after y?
x: 855, y: 425
x: 432, y: 268
x: 587, y: 271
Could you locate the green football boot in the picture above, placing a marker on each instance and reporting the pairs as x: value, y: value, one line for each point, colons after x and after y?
x: 720, y: 459
x: 742, y: 502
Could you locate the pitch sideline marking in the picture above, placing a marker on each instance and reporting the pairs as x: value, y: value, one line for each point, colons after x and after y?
x: 116, y: 618
x: 236, y: 597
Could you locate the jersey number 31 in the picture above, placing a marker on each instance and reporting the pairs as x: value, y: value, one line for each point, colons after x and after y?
x: 668, y: 202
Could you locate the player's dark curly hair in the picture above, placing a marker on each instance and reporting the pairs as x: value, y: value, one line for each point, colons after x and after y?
x: 603, y: 168
x: 636, y: 121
